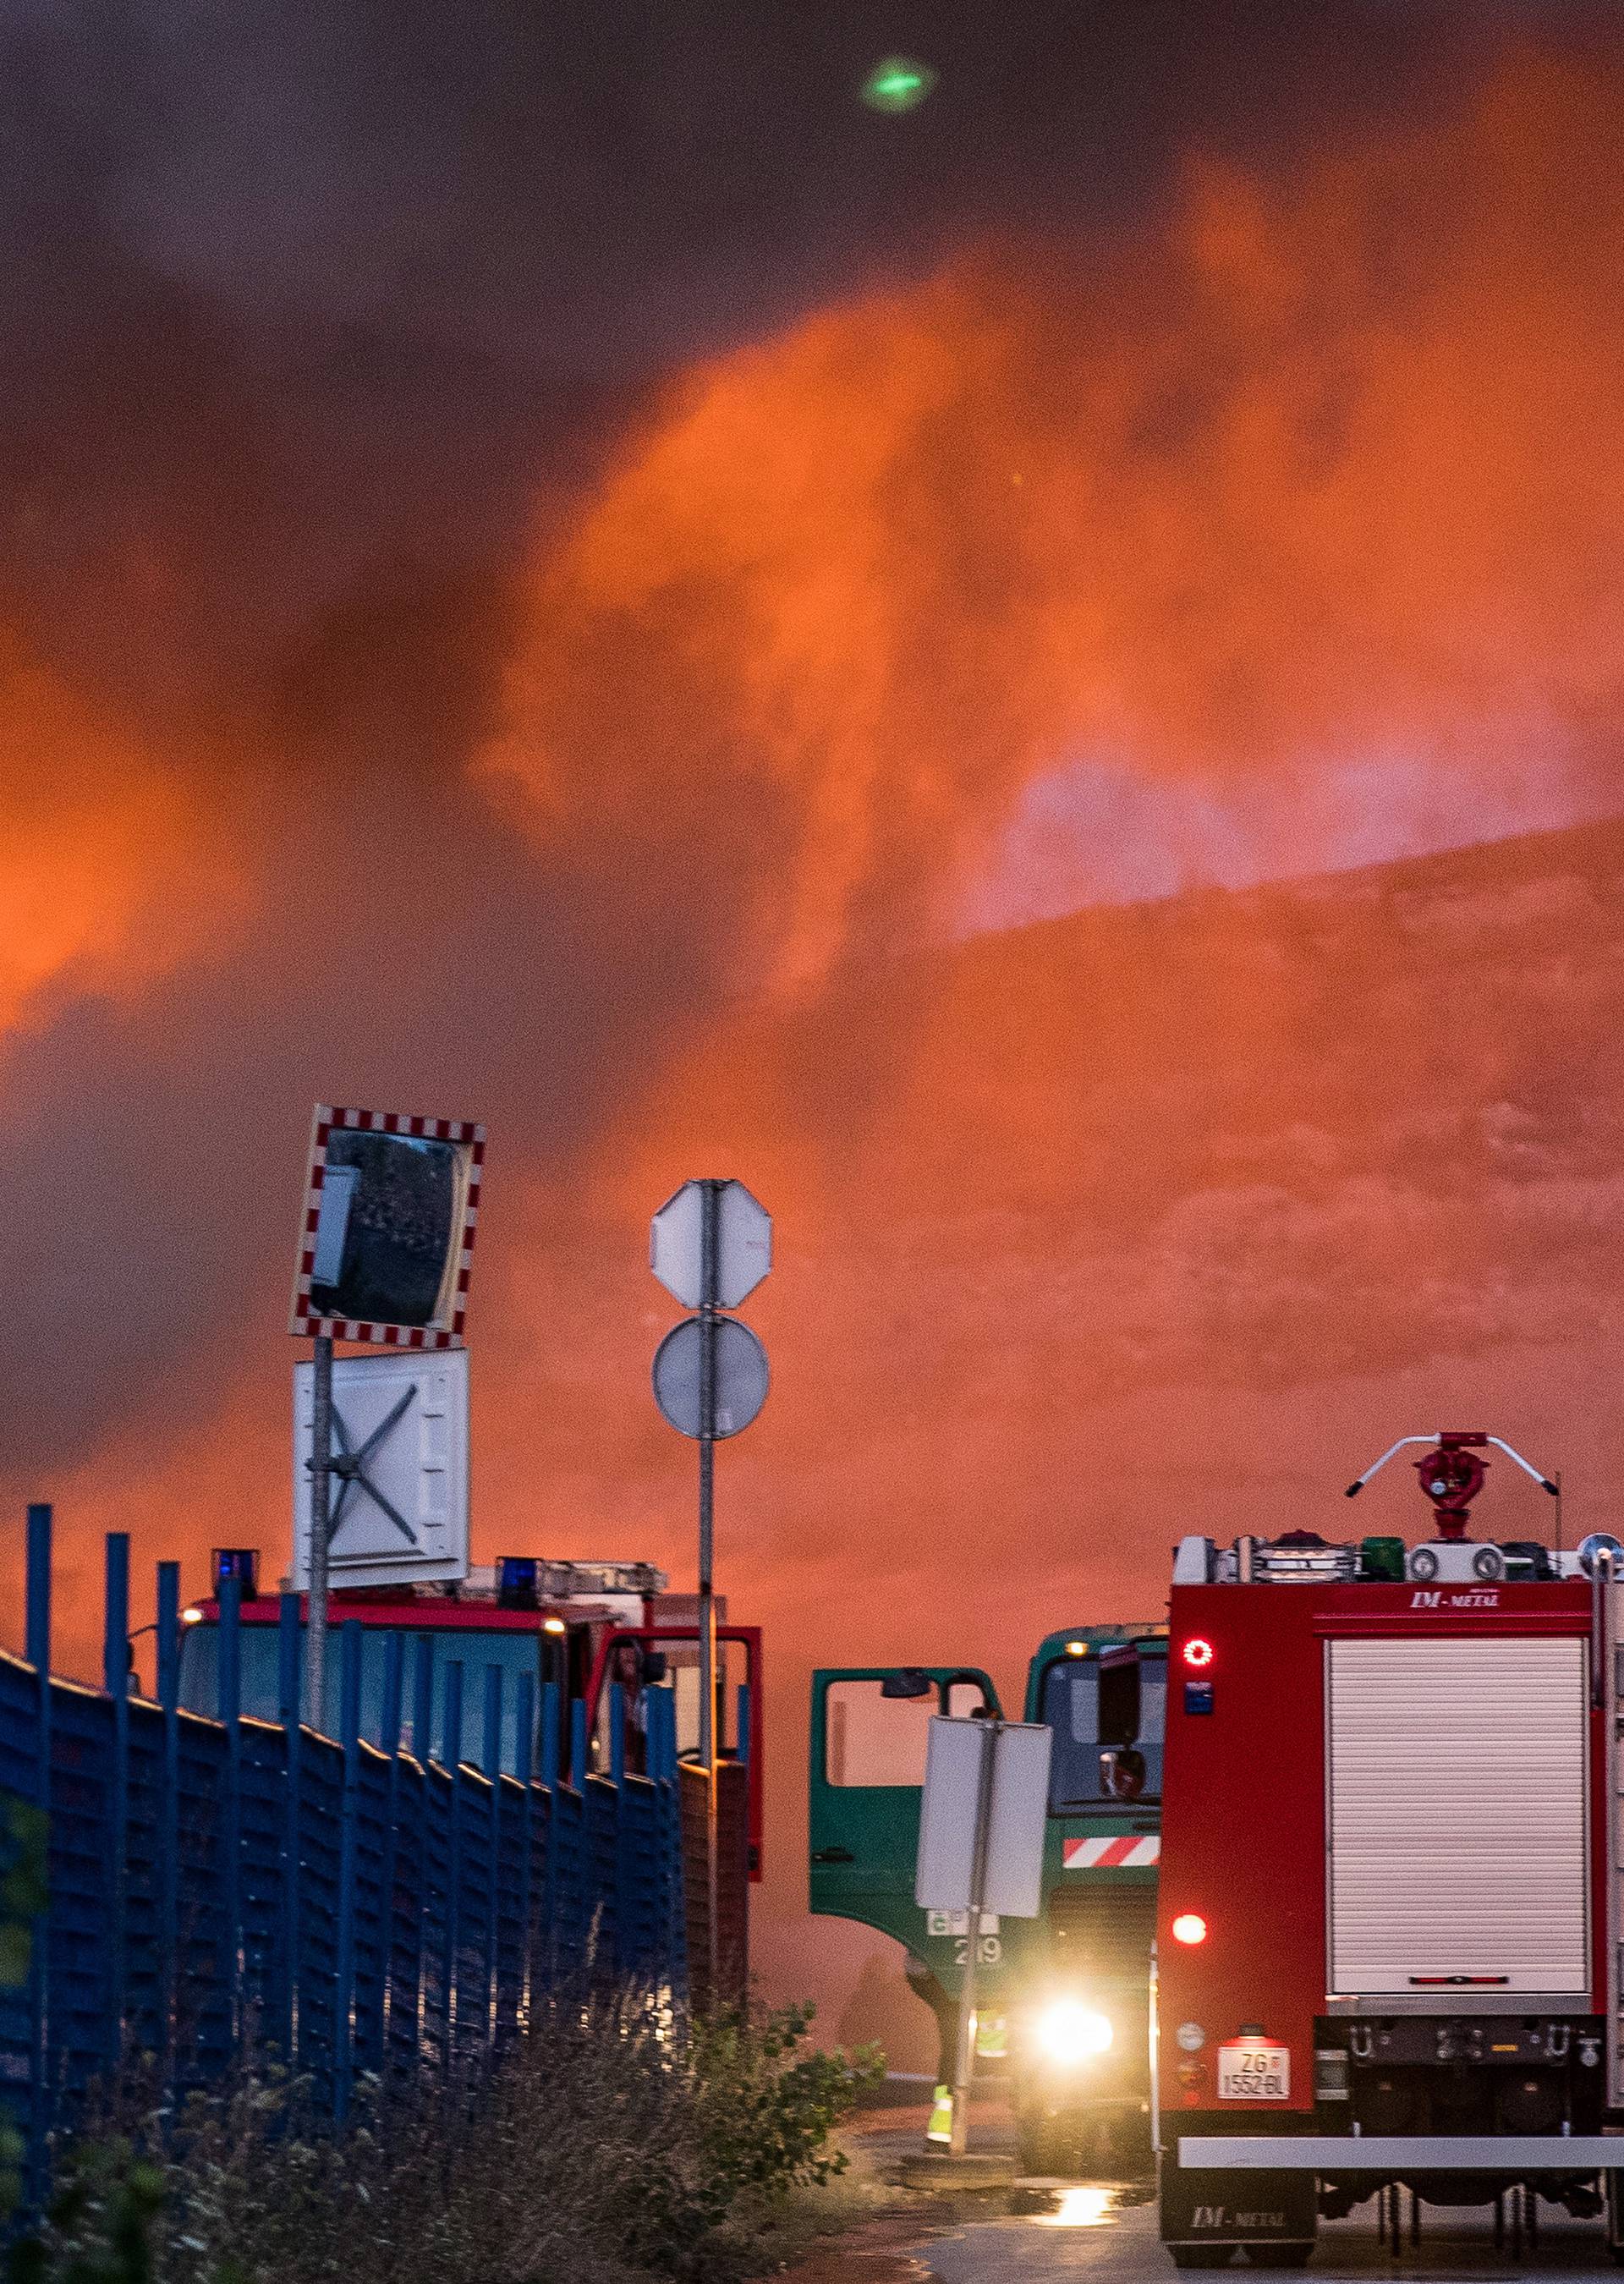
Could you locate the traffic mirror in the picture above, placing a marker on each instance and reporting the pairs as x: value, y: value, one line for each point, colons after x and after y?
x: 391, y: 1204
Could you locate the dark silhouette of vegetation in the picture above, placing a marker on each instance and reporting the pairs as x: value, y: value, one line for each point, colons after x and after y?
x: 615, y: 2142
x: 22, y: 1898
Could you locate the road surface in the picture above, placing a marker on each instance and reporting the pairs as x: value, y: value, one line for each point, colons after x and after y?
x: 1095, y: 2230
x: 1108, y: 2231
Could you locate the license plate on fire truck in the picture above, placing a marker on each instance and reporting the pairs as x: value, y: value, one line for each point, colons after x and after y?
x: 1250, y: 2072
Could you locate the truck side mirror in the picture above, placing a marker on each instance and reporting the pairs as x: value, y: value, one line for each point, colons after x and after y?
x: 907, y: 1681
x: 654, y: 1665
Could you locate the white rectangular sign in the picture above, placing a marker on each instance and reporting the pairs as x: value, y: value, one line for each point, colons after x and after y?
x: 399, y: 1494
x: 1017, y: 1816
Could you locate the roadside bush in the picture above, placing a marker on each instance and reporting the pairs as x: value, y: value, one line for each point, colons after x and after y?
x: 613, y: 2144
x: 22, y: 1896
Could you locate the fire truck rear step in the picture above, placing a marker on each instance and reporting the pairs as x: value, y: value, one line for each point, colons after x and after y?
x: 1401, y: 2154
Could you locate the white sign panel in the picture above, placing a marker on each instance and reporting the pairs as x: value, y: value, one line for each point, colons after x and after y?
x: 399, y: 1495
x: 1017, y: 1817
x: 743, y: 1245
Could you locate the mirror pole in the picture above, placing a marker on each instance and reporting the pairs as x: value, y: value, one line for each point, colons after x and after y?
x: 321, y: 1460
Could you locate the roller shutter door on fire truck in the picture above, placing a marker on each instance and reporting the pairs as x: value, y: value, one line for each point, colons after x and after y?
x: 1456, y: 1773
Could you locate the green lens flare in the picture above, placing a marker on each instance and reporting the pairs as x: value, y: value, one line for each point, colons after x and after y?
x: 897, y: 84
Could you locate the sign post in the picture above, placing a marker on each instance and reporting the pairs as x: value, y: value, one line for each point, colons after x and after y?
x: 385, y: 1242
x: 708, y: 1472
x: 710, y: 1245
x: 982, y: 1819
x: 708, y: 1250
x: 964, y: 2042
x: 321, y: 1527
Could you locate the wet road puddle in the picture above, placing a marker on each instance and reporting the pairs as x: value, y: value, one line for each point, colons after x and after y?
x: 1085, y: 2206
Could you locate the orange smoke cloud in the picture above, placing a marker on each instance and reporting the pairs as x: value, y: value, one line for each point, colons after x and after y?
x: 110, y: 869
x: 1322, y: 465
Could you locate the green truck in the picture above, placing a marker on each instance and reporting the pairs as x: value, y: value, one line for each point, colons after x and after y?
x: 1063, y: 2000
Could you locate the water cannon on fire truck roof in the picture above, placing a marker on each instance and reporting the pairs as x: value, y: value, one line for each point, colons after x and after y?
x: 1452, y: 1475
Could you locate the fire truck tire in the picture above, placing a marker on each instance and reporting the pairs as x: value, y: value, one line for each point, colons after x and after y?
x: 1280, y: 2255
x: 1201, y: 2255
x: 1613, y: 2184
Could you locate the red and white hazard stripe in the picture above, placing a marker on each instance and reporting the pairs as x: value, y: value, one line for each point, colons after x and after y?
x: 1123, y: 1852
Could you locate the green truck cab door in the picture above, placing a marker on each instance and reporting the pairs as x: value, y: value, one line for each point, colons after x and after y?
x: 869, y: 1731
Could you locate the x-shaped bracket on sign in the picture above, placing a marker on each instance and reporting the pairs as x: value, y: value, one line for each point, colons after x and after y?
x: 348, y: 1464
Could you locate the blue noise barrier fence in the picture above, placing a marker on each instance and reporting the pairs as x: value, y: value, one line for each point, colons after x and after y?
x: 351, y: 1905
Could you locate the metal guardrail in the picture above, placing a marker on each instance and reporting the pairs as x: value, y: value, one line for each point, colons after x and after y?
x: 215, y: 1883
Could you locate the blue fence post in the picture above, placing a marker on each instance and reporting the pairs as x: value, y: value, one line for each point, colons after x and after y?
x: 115, y: 1616
x: 423, y: 1701
x: 552, y: 1723
x: 36, y: 1623
x: 344, y: 1987
x: 451, y: 1739
x: 170, y: 1814
x: 491, y: 1742
x: 288, y: 1701
x: 581, y: 1929
x: 423, y: 1753
x: 169, y: 1633
x: 451, y: 1756
x: 524, y: 1759
x: 389, y: 1742
x: 673, y: 1919
x: 228, y: 1708
x: 622, y: 1836
x: 116, y: 1679
x: 492, y: 1750
x: 551, y: 1739
x: 36, y: 1641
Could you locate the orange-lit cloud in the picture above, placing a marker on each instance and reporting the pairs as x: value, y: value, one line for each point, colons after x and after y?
x: 1322, y: 467
x: 112, y: 867
x: 1144, y: 1222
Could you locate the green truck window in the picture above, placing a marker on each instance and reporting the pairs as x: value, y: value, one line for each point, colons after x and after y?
x: 874, y: 1739
x: 1108, y: 1714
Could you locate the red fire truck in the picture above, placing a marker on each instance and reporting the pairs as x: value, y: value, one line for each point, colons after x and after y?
x: 1388, y: 1925
x: 583, y: 1626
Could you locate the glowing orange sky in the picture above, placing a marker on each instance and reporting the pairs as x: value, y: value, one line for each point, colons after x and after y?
x: 106, y: 868
x: 1313, y: 465
x: 1316, y: 465
x: 1316, y: 468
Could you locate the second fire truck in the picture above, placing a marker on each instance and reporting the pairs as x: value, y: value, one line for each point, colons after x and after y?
x: 582, y: 1627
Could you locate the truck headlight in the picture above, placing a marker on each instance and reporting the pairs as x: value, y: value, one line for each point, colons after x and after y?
x: 1070, y: 2033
